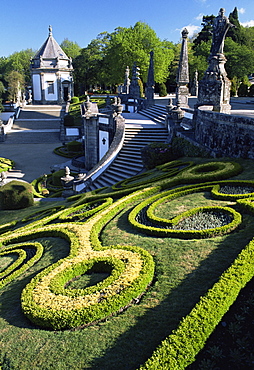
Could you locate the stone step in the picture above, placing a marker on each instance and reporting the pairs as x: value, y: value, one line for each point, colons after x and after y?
x: 134, y: 165
x: 36, y: 125
x: 33, y: 137
x: 128, y: 162
x: 132, y: 158
x: 156, y: 113
x: 121, y: 172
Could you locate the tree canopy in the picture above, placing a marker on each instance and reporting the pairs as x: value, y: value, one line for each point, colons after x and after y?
x: 71, y: 48
x: 105, y: 59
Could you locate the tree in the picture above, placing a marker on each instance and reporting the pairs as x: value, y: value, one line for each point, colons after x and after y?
x: 240, y: 59
x: 235, y: 32
x: 15, y: 82
x: 88, y: 68
x: 248, y: 36
x: 18, y: 62
x: 133, y: 44
x: 71, y: 49
x: 198, y: 58
x: 205, y: 34
x: 2, y: 90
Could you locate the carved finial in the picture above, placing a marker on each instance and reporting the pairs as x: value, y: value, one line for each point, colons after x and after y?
x: 185, y: 33
x: 50, y: 30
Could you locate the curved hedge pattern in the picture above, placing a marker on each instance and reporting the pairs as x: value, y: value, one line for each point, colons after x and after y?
x: 49, y: 302
x: 153, y: 202
x: 22, y: 263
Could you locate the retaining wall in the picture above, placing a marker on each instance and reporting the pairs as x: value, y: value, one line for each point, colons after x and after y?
x: 225, y: 134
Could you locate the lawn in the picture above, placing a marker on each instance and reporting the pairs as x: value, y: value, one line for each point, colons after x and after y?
x: 184, y: 271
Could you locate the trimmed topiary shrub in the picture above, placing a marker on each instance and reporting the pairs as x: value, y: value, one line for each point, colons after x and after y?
x: 56, y: 177
x: 74, y: 146
x: 243, y: 89
x: 16, y: 195
x: 75, y: 100
x: 162, y: 89
x: 251, y: 90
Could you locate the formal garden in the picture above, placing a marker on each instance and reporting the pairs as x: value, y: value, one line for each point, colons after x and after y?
x: 136, y: 276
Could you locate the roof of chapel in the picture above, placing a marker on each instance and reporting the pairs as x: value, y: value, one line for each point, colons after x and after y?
x: 50, y: 49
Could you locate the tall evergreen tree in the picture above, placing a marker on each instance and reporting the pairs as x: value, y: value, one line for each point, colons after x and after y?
x: 206, y: 33
x: 235, y: 32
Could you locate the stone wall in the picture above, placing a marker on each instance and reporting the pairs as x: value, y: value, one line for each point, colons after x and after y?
x: 225, y: 134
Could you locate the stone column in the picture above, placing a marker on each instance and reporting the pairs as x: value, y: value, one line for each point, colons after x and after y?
x: 134, y: 86
x: 150, y: 82
x: 43, y: 100
x: 91, y: 133
x: 182, y: 79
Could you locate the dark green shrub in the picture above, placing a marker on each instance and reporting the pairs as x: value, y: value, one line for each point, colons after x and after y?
x: 74, y: 146
x: 69, y: 121
x: 183, y: 148
x: 74, y: 100
x: 156, y: 153
x: 251, y: 90
x: 243, y: 89
x: 16, y: 195
x: 162, y: 89
x: 56, y: 177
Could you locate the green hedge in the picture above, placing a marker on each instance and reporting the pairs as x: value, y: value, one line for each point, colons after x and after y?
x: 179, y: 349
x: 169, y: 169
x: 41, y: 301
x: 69, y: 213
x: 19, y: 265
x: 6, y: 164
x: 154, y: 201
x: 231, y: 197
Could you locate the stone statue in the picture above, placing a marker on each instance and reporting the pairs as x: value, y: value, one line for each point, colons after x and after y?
x: 214, y: 88
x: 221, y: 26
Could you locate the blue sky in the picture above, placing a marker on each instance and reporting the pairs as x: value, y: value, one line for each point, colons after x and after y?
x: 24, y: 23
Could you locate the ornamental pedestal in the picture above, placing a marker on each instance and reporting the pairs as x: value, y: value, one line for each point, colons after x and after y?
x: 214, y: 88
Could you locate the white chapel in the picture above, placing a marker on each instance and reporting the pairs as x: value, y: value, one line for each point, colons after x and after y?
x: 52, y: 74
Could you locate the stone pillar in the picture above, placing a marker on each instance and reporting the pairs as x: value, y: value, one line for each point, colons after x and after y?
x: 134, y: 86
x: 182, y: 79
x: 42, y: 89
x: 214, y: 88
x: 150, y: 82
x: 91, y: 134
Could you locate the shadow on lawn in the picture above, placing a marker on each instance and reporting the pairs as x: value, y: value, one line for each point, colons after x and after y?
x: 136, y: 345
x: 10, y: 308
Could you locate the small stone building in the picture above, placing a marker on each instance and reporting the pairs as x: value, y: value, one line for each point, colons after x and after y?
x: 51, y: 71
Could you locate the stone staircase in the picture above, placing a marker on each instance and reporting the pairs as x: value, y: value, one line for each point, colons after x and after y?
x: 156, y: 113
x: 128, y: 162
x: 36, y: 124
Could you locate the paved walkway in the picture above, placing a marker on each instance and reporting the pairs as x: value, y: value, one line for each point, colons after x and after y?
x: 31, y: 143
